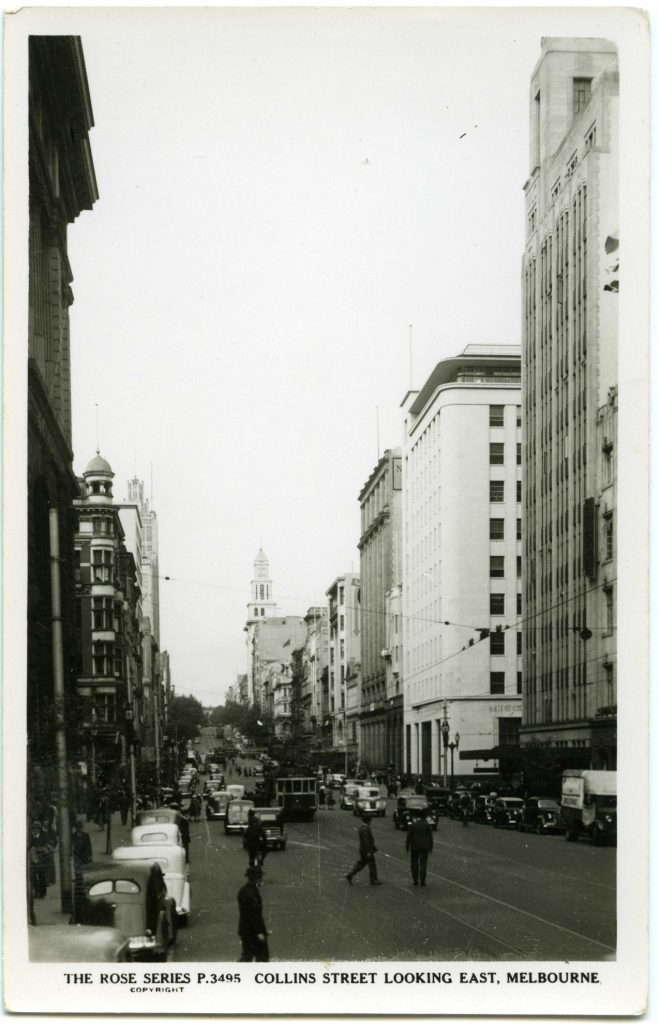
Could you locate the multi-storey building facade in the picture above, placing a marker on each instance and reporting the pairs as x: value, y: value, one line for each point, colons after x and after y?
x: 461, y: 597
x: 62, y: 184
x: 344, y: 676
x: 315, y: 662
x: 273, y: 641
x: 570, y: 346
x: 108, y: 623
x: 381, y: 710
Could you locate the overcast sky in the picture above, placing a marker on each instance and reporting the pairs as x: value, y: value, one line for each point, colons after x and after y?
x: 282, y: 193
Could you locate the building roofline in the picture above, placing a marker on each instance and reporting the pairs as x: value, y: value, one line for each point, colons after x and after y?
x: 446, y: 370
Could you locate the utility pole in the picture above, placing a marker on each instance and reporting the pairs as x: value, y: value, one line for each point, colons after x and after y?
x: 63, y: 815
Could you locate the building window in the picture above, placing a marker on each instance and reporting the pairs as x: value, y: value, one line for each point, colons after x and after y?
x: 509, y: 732
x: 496, y: 454
x: 608, y: 536
x: 496, y: 490
x: 261, y: 591
x: 102, y: 612
x: 519, y: 567
x: 262, y: 612
x: 519, y: 454
x: 580, y: 94
x: 101, y: 659
x: 496, y: 529
x: 591, y: 138
x: 608, y: 596
x: 518, y: 409
x: 106, y: 708
x: 519, y: 604
x: 519, y: 643
x: 342, y: 622
x: 519, y: 682
x: 496, y: 415
x: 100, y: 526
x: 102, y: 565
x: 519, y: 529
x: 497, y: 604
x: 496, y: 566
x: 497, y: 682
x: 497, y: 643
x: 519, y: 491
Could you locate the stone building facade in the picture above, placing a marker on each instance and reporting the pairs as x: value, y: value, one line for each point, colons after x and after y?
x: 381, y: 704
x: 570, y: 379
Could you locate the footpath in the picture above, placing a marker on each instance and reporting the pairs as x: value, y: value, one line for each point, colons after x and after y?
x: 49, y: 909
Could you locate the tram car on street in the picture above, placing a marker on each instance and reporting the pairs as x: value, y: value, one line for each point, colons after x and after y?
x: 296, y: 795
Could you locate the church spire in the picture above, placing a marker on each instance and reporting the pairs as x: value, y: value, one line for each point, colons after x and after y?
x: 262, y: 604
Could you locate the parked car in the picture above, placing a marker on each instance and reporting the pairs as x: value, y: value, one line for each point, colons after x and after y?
x: 411, y: 806
x: 437, y: 797
x: 166, y: 834
x: 367, y: 800
x: 507, y: 811
x: 338, y: 779
x: 274, y: 830
x: 540, y: 814
x: 131, y: 896
x: 216, y: 804
x: 346, y: 793
x: 483, y: 808
x: 172, y: 861
x: 80, y: 943
x: 237, y: 815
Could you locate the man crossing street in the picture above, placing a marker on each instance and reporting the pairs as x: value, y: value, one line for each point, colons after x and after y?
x: 419, y: 842
x: 367, y: 851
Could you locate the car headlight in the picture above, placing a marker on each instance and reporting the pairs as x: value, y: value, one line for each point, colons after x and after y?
x: 141, y: 942
x: 608, y: 818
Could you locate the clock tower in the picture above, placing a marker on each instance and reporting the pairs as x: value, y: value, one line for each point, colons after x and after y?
x: 261, y: 604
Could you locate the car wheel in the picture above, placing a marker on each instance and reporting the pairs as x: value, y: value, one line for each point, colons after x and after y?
x: 539, y: 828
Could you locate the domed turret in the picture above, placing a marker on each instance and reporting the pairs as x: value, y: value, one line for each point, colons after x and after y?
x: 98, y: 478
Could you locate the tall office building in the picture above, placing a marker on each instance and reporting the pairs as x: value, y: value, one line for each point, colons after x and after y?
x: 461, y: 593
x: 381, y: 698
x: 570, y: 348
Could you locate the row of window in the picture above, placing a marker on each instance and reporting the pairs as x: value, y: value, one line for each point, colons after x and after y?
x: 498, y: 643
x: 498, y: 490
x: 498, y: 566
x: 497, y: 453
x: 498, y: 682
x: 498, y: 604
x: 497, y: 529
x: 497, y: 413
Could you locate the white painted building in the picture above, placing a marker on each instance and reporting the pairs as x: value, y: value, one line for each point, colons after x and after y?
x: 261, y: 606
x: 462, y: 562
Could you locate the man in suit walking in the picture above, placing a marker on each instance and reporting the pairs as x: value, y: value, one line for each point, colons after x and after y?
x: 251, y: 926
x: 419, y: 842
x: 367, y: 851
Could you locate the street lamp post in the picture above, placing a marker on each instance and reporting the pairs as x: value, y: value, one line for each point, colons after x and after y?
x: 452, y: 747
x: 445, y: 727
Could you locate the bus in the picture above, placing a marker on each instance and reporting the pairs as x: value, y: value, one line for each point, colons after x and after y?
x: 297, y: 796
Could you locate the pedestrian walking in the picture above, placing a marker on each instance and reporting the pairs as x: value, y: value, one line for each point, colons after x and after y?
x: 367, y: 851
x: 419, y: 843
x: 254, y: 840
x: 330, y: 800
x: 321, y: 796
x: 39, y: 853
x: 81, y: 850
x: 251, y: 926
x: 184, y: 829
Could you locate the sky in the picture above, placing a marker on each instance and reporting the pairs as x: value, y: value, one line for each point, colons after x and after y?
x: 283, y: 192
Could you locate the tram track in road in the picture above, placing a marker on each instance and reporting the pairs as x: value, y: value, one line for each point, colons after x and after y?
x: 488, y: 906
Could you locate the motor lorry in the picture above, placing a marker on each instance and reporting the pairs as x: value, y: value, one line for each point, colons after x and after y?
x: 588, y: 805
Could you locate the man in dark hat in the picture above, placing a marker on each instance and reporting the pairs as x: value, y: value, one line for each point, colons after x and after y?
x: 367, y: 851
x: 419, y: 843
x: 251, y: 926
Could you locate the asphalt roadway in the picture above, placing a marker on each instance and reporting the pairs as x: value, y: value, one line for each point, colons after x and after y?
x: 490, y: 895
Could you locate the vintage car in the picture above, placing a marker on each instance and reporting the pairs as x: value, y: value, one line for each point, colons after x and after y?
x: 483, y: 808
x: 216, y: 804
x: 237, y: 791
x: 175, y: 870
x: 237, y: 815
x: 367, y: 800
x: 411, y: 806
x: 540, y: 814
x: 346, y: 793
x: 272, y: 822
x: 79, y: 943
x: 507, y: 811
x: 165, y: 834
x: 437, y: 797
x: 131, y: 896
x: 456, y: 801
x: 158, y: 816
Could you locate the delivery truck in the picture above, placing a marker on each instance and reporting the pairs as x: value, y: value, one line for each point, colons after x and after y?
x: 588, y: 805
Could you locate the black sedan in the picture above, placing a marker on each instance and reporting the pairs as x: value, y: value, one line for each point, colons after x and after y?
x: 408, y: 808
x: 540, y: 815
x: 507, y: 811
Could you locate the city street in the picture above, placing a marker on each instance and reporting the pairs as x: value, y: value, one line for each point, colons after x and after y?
x: 490, y: 895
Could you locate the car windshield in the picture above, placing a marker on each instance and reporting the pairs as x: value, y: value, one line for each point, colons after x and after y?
x: 512, y: 802
x: 548, y: 805
x: 415, y: 804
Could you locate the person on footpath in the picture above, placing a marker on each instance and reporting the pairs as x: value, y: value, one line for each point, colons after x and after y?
x: 367, y: 851
x: 251, y: 926
x: 81, y: 850
x: 418, y: 842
